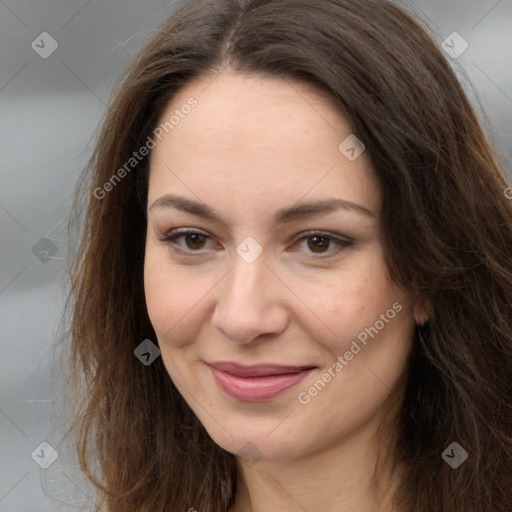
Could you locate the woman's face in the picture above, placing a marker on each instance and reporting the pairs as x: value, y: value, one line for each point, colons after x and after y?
x: 278, y: 261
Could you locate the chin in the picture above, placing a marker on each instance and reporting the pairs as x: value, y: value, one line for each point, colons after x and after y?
x: 258, y: 444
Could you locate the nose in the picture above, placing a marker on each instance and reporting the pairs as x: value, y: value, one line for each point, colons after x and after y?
x: 250, y: 302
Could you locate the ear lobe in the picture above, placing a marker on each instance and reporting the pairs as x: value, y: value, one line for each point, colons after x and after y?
x: 422, y: 311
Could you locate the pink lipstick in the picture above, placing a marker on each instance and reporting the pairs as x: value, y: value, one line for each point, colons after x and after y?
x: 258, y: 382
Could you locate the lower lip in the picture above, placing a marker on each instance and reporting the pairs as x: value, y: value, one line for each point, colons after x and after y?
x: 257, y: 389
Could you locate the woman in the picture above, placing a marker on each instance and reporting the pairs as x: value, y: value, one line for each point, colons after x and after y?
x: 294, y: 283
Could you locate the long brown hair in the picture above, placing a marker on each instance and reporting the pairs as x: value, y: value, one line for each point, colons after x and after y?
x: 447, y: 228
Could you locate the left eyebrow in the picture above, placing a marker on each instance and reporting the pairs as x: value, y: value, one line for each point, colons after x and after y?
x: 314, y: 208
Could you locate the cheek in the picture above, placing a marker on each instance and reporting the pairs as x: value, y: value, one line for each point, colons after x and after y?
x: 353, y: 301
x: 159, y: 296
x: 177, y: 299
x: 168, y: 298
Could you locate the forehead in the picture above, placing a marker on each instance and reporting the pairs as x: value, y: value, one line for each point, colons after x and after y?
x: 253, y: 134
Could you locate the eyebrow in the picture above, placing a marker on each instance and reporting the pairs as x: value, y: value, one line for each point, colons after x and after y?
x: 282, y: 216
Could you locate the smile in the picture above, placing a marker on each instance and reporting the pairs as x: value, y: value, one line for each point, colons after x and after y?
x: 255, y: 384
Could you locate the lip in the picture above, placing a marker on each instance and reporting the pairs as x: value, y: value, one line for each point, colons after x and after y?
x: 258, y: 382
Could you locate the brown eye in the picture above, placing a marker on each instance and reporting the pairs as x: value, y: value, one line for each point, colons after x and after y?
x: 318, y: 243
x: 191, y: 241
x: 194, y: 241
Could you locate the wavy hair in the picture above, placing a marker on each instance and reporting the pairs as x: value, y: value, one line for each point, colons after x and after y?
x: 447, y: 231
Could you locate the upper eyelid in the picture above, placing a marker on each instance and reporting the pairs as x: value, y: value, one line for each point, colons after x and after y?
x: 302, y: 234
x: 340, y: 240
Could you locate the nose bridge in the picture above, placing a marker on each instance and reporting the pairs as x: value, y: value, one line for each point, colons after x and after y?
x: 247, y: 282
x: 247, y: 305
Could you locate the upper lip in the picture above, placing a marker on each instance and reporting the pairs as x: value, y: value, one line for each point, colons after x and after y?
x: 258, y: 370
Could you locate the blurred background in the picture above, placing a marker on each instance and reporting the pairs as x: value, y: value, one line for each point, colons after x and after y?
x: 59, y: 60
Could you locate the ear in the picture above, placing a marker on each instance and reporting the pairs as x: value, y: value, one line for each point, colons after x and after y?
x: 422, y: 310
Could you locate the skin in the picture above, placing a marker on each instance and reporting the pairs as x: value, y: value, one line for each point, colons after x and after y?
x: 251, y: 146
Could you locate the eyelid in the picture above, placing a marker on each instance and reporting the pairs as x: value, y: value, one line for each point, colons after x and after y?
x: 174, y: 234
x: 341, y: 241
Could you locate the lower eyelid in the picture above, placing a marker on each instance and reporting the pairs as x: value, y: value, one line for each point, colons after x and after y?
x: 170, y: 241
x: 171, y: 238
x: 339, y: 243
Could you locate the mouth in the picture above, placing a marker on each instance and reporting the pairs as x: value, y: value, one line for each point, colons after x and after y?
x: 258, y: 382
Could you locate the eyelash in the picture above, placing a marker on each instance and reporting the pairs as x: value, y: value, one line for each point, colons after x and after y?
x: 173, y: 235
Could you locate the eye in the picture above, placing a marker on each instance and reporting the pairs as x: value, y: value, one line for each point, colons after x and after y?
x: 193, y: 241
x: 318, y: 242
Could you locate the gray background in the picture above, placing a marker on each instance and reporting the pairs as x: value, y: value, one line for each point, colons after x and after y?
x: 49, y: 111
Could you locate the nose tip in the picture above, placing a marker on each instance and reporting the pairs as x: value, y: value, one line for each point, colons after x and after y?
x: 249, y: 303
